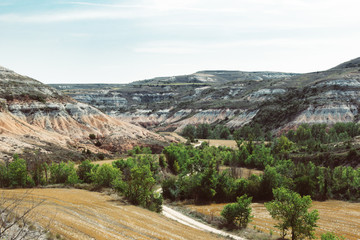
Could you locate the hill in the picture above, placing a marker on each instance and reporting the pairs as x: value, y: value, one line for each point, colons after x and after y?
x: 34, y: 116
x: 275, y: 100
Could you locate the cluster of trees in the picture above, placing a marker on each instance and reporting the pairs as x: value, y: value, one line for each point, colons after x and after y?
x: 324, y: 134
x: 309, y: 136
x: 135, y: 178
x: 198, y: 176
x: 206, y: 131
x: 289, y: 209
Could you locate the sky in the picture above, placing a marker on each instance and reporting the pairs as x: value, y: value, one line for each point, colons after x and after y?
x: 109, y: 41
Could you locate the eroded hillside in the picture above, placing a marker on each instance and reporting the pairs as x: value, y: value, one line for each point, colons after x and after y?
x: 275, y: 100
x: 37, y: 117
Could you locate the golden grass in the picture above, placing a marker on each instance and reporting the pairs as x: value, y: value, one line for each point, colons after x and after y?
x: 342, y: 218
x: 217, y: 143
x: 80, y: 214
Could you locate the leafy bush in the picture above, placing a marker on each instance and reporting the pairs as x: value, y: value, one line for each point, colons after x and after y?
x: 92, y: 136
x: 104, y: 175
x: 84, y: 171
x: 63, y: 173
x: 17, y: 173
x: 238, y: 214
x: 331, y: 236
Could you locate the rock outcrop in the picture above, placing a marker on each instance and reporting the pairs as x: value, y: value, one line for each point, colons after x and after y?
x: 35, y: 116
x: 233, y: 98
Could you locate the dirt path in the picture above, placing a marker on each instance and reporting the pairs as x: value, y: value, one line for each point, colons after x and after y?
x: 181, y: 218
x: 80, y: 214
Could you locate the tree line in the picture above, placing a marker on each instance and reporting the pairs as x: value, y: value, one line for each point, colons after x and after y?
x: 134, y: 178
x: 196, y: 174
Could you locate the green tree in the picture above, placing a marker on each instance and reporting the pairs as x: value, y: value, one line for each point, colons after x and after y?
x: 104, y: 175
x: 63, y: 173
x: 189, y: 132
x: 17, y: 172
x: 84, y: 171
x: 238, y: 214
x: 291, y: 210
x: 203, y: 131
x: 282, y: 145
x: 139, y: 189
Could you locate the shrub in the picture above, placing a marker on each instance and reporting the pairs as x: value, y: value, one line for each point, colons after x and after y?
x: 331, y: 236
x: 238, y: 214
x: 84, y: 171
x: 104, y: 175
x: 291, y: 210
x: 17, y: 173
x: 63, y: 173
x: 92, y: 136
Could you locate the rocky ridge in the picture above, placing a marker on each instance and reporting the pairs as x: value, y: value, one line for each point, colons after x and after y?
x: 36, y: 116
x: 233, y: 98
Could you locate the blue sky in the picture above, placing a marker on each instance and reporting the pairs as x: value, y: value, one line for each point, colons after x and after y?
x: 108, y: 41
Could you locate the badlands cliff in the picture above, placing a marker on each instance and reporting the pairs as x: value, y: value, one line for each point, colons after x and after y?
x: 275, y: 100
x: 36, y: 116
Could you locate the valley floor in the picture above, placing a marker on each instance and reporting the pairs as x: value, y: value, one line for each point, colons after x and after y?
x: 81, y: 214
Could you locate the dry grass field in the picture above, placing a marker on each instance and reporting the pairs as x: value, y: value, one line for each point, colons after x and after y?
x: 79, y: 214
x: 217, y: 143
x: 342, y: 218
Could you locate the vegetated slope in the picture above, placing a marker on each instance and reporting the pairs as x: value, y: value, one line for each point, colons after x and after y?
x: 79, y: 214
x: 275, y: 100
x: 339, y: 217
x: 39, y: 116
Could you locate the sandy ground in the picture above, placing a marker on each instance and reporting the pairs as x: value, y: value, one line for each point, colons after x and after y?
x: 217, y: 143
x: 342, y: 218
x: 79, y: 214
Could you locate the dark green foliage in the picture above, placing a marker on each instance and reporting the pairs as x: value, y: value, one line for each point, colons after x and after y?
x: 320, y: 133
x: 17, y: 173
x: 205, y: 131
x: 189, y: 132
x: 139, y: 189
x: 92, y: 136
x: 63, y: 173
x: 291, y: 211
x: 104, y: 175
x: 238, y: 214
x: 139, y: 150
x: 139, y: 179
x: 248, y: 132
x: 84, y: 171
x: 4, y: 177
x: 162, y: 161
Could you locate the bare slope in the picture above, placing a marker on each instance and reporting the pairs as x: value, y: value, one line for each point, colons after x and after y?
x: 30, y: 108
x: 234, y: 98
x: 79, y: 214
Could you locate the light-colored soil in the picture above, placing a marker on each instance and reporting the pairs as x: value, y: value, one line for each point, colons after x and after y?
x: 342, y: 218
x: 176, y: 136
x: 217, y: 143
x: 79, y: 214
